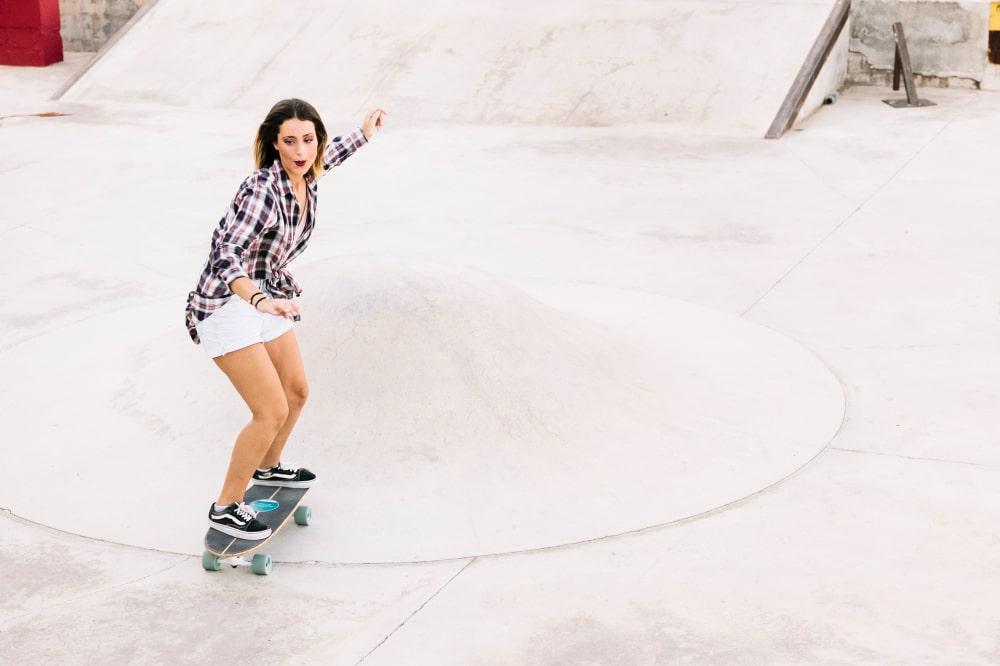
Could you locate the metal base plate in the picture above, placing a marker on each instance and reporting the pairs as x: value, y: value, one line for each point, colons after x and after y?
x: 903, y: 104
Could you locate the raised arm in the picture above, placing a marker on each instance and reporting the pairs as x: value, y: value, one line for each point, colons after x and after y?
x: 341, y: 147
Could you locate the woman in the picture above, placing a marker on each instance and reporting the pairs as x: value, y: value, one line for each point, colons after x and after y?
x: 243, y: 308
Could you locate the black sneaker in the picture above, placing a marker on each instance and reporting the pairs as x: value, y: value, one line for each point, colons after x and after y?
x: 285, y: 476
x: 238, y: 520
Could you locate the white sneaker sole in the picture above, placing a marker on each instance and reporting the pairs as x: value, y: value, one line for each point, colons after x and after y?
x: 282, y: 484
x: 238, y: 533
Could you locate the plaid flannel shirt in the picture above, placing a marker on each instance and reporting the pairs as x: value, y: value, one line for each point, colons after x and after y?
x: 259, y: 235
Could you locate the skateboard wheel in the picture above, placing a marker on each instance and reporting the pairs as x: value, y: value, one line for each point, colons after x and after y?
x: 303, y: 515
x: 210, y: 562
x: 261, y: 564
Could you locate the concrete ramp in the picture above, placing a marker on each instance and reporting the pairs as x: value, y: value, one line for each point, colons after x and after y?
x: 720, y: 67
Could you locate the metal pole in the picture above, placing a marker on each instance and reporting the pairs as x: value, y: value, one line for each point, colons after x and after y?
x: 902, y: 67
x: 903, y: 54
x: 897, y: 69
x: 803, y: 83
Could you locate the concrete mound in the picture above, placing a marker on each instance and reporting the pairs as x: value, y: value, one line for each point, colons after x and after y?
x: 452, y: 414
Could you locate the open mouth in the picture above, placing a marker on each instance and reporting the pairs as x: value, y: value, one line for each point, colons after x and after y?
x: 300, y: 163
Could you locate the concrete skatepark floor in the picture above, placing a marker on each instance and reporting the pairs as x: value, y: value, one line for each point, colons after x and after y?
x: 696, y: 397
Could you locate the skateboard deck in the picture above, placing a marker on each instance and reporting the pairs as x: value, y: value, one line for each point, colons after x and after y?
x: 221, y: 548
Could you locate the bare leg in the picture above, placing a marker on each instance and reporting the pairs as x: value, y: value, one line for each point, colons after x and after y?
x: 252, y: 373
x: 284, y: 354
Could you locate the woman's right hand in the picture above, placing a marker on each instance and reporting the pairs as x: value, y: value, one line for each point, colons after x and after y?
x: 372, y: 123
x: 281, y: 307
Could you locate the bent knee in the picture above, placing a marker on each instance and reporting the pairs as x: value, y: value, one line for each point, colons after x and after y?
x: 297, y: 394
x: 273, y: 415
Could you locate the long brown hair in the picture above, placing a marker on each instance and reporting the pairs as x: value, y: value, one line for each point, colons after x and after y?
x: 264, y: 151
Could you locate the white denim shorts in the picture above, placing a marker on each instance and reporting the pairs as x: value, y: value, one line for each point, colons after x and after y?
x: 237, y: 324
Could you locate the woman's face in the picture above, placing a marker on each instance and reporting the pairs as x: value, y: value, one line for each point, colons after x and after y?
x: 296, y: 145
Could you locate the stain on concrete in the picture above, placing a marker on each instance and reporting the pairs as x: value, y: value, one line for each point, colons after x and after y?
x: 747, y: 235
x: 648, y: 634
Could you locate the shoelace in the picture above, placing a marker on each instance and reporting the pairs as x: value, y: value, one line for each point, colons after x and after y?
x: 246, y: 512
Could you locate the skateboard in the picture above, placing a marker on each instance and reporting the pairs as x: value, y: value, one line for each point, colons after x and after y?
x: 274, y: 505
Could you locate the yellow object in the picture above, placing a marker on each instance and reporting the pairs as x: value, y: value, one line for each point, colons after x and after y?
x: 994, y: 16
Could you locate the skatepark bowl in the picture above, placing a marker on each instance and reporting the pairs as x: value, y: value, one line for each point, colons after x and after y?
x: 596, y: 373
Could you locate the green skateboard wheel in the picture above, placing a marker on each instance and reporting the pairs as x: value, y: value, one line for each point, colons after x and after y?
x: 303, y: 515
x: 261, y: 564
x: 210, y: 562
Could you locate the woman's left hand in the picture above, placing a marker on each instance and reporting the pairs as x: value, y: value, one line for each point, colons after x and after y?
x: 373, y: 123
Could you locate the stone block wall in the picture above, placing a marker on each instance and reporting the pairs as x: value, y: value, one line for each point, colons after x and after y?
x: 948, y: 42
x: 87, y: 24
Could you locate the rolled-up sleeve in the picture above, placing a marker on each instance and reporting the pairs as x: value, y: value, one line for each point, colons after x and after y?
x: 341, y: 147
x: 252, y: 212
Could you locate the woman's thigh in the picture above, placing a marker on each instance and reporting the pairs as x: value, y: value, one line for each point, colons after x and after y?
x: 287, y: 360
x: 255, y: 378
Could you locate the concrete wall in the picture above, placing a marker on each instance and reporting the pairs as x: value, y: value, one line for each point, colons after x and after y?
x: 947, y: 42
x: 87, y: 24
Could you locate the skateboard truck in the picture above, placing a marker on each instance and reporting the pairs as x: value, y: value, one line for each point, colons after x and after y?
x: 260, y: 564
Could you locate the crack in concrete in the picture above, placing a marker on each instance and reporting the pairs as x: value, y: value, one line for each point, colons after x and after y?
x: 420, y: 608
x: 936, y: 345
x: 6, y: 624
x: 802, y: 260
x: 917, y: 458
x: 857, y: 209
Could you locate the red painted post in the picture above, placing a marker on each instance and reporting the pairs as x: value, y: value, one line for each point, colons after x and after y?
x: 29, y: 32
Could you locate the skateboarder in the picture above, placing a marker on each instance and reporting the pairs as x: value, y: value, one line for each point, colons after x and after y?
x: 243, y: 308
